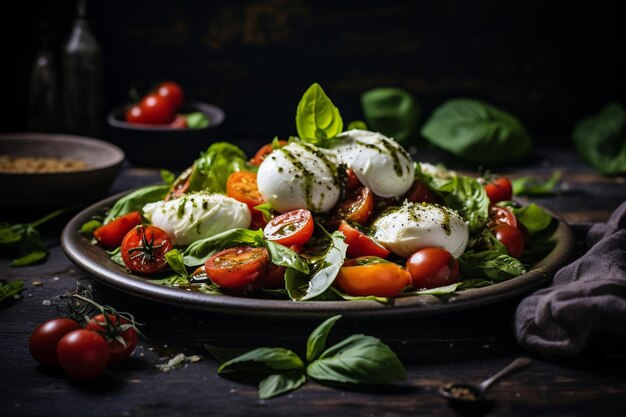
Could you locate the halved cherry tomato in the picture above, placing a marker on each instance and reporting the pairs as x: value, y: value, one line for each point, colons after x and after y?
x: 432, y: 268
x: 420, y: 192
x: 180, y: 122
x: 111, y: 234
x: 501, y: 215
x: 292, y: 228
x: 372, y: 276
x: 258, y: 221
x: 155, y: 109
x: 237, y: 267
x: 499, y: 189
x: 357, y: 206
x: 111, y: 331
x: 144, y: 248
x: 45, y: 338
x: 172, y: 92
x: 352, y: 181
x: 242, y: 186
x: 264, y: 151
x: 511, y: 238
x: 83, y: 354
x: 359, y: 244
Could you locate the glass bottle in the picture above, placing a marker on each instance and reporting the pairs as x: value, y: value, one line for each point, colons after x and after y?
x: 42, y: 101
x: 82, y: 79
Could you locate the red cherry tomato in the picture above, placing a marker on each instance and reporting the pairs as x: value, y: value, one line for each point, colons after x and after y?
x: 432, y: 268
x: 111, y: 234
x: 292, y: 228
x: 45, y: 338
x: 111, y: 330
x: 237, y: 267
x: 180, y: 122
x: 366, y: 276
x: 83, y: 354
x: 134, y: 114
x: 357, y: 206
x: 499, y: 189
x: 501, y: 215
x: 264, y: 151
x: 511, y: 238
x: 420, y: 192
x: 242, y: 186
x: 352, y: 181
x: 144, y: 248
x: 172, y: 92
x: 156, y: 110
x: 359, y: 244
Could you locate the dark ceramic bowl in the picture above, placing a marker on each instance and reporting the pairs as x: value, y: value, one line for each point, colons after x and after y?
x: 40, y: 192
x: 163, y: 146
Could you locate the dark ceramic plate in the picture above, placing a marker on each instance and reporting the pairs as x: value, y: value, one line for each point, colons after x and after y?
x: 95, y: 261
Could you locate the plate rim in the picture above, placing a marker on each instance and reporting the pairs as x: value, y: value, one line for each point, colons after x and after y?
x: 114, y: 276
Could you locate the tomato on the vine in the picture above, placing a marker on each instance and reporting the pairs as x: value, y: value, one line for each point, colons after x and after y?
x: 172, y: 92
x: 237, y: 267
x: 359, y: 244
x: 111, y: 234
x: 109, y: 328
x: 83, y: 354
x: 499, y: 189
x: 144, y: 248
x: 45, y: 338
x: 294, y: 227
x: 511, y: 238
x: 432, y: 268
x: 372, y: 276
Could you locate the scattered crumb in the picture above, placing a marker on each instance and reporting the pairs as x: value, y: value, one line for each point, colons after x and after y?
x: 55, y: 278
x: 46, y: 302
x: 37, y: 283
x: 178, y: 361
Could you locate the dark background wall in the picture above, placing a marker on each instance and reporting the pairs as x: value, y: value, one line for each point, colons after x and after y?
x: 548, y: 62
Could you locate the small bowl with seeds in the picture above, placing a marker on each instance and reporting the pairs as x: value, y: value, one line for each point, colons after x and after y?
x: 43, y: 172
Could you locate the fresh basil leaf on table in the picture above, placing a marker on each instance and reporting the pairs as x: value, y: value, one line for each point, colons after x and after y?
x: 601, y: 139
x: 316, y: 343
x: 263, y: 360
x: 282, y: 383
x: 136, y: 200
x: 533, y: 186
x: 317, y: 118
x: 392, y: 112
x: 10, y: 289
x: 477, y: 132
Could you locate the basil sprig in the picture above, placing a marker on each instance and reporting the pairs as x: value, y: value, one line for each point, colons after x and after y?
x: 317, y: 118
x: 357, y: 360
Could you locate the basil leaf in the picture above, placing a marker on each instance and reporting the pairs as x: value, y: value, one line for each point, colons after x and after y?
x: 199, y: 251
x: 317, y: 118
x: 283, y: 256
x: 263, y: 360
x: 473, y: 283
x: 534, y: 186
x: 31, y: 248
x: 447, y: 289
x: 601, y: 139
x: 278, y: 384
x: 490, y: 265
x: 316, y: 343
x: 10, y: 289
x: 116, y: 256
x: 533, y: 217
x: 358, y: 359
x: 197, y: 120
x: 89, y: 227
x: 465, y: 195
x: 211, y: 171
x: 30, y: 258
x: 392, y: 112
x: 224, y: 354
x: 343, y: 296
x: 300, y: 287
x: 477, y: 132
x: 266, y: 210
x: 168, y: 177
x: 175, y: 261
x: 10, y: 234
x: 357, y: 124
x: 136, y: 200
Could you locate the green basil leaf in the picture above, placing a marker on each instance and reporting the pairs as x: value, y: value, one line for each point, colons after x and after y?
x: 199, y: 251
x: 601, y: 139
x: 116, y: 256
x: 197, y: 120
x: 278, y: 384
x: 357, y: 124
x: 168, y: 177
x: 224, y: 354
x: 447, y: 289
x: 136, y: 200
x: 316, y: 342
x: 32, y: 248
x: 534, y: 186
x: 343, y: 296
x: 11, y: 234
x: 533, y: 217
x: 283, y: 256
x: 89, y: 227
x: 473, y: 283
x: 211, y: 171
x: 358, y: 359
x: 392, y: 112
x: 175, y: 261
x: 263, y: 360
x: 266, y: 210
x: 490, y: 265
x: 317, y: 118
x: 477, y: 132
x: 10, y: 289
x: 30, y: 258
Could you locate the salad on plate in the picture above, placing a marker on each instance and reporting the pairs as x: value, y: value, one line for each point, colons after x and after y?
x: 331, y: 214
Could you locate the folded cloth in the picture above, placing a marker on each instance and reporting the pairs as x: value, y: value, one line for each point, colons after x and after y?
x: 586, y: 304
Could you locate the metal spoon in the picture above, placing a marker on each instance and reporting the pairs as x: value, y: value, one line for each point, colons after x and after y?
x: 468, y: 393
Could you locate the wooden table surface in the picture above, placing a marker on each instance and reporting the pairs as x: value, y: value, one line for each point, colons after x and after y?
x: 435, y: 350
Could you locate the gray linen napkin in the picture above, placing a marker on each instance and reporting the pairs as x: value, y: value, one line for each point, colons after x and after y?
x: 586, y: 304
